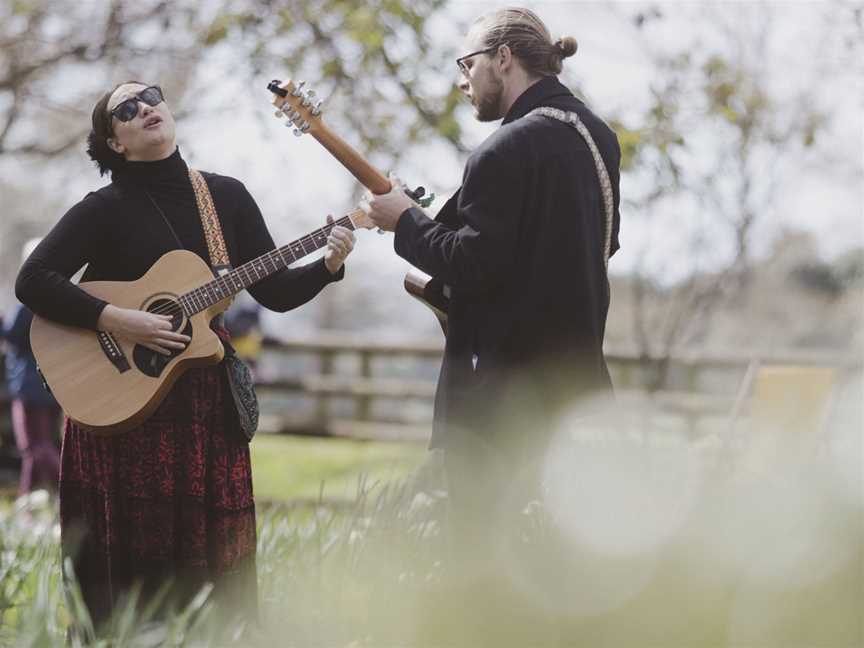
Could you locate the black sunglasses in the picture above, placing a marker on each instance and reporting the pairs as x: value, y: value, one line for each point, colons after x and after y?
x: 127, y: 110
x: 460, y: 62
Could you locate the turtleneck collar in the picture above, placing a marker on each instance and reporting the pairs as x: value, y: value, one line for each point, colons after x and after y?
x: 168, y: 171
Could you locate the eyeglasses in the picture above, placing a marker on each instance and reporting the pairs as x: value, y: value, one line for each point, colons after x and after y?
x: 127, y: 110
x: 460, y: 62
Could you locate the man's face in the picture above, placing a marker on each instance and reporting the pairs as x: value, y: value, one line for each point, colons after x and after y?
x: 149, y: 134
x: 482, y: 84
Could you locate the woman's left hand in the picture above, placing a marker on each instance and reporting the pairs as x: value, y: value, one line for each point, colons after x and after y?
x: 339, y: 246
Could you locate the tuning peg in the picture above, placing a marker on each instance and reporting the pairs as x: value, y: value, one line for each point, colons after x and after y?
x: 316, y: 109
x: 298, y: 89
x: 287, y: 124
x: 297, y: 132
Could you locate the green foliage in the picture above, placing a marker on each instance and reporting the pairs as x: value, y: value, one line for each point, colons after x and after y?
x: 761, y: 550
x: 708, y: 92
x: 376, y: 55
x: 22, y: 7
x: 630, y: 141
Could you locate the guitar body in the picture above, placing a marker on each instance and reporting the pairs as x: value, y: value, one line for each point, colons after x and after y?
x: 431, y: 292
x: 109, y: 385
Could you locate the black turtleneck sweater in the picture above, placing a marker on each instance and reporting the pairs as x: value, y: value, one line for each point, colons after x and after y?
x: 119, y: 234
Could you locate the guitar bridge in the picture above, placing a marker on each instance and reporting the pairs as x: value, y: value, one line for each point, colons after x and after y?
x: 113, y: 351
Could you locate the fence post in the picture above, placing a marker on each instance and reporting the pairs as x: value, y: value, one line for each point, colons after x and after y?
x: 363, y: 407
x: 325, y: 368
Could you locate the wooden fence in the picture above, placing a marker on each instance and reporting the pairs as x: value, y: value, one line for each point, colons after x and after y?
x: 346, y: 385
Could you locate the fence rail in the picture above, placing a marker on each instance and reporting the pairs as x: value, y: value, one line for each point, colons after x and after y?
x: 349, y: 385
x: 330, y: 369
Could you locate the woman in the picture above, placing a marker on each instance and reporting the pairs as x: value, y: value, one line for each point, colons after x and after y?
x: 170, y: 501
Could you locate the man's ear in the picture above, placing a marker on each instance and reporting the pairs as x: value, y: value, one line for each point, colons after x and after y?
x: 504, y: 57
x: 115, y: 146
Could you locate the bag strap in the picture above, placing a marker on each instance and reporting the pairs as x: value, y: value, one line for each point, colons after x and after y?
x: 572, y: 119
x: 210, y: 222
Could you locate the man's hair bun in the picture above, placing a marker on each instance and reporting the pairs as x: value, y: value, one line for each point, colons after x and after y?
x: 567, y: 46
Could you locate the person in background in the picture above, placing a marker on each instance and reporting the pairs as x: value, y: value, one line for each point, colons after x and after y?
x: 35, y: 413
x: 243, y: 321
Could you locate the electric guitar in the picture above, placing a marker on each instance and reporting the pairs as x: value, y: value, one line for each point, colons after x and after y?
x: 107, y: 384
x: 303, y: 113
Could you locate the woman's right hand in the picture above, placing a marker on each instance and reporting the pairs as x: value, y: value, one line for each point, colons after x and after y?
x: 147, y: 329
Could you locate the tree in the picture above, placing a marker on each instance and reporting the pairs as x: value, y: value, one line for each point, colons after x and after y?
x: 58, y: 56
x: 712, y: 151
x: 377, y: 55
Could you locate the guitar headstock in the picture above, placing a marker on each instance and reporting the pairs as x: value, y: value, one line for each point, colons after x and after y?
x: 297, y: 105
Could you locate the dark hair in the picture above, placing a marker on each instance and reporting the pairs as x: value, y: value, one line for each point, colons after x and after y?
x: 528, y: 39
x: 106, y: 158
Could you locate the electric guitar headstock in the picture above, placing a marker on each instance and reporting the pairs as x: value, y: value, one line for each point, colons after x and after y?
x: 301, y: 110
x: 297, y: 105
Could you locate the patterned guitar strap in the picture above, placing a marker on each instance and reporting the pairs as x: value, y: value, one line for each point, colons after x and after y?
x: 210, y: 222
x: 240, y: 379
x: 572, y: 119
x: 212, y: 232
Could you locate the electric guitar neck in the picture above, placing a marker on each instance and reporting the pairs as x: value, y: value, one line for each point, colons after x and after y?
x: 302, y: 111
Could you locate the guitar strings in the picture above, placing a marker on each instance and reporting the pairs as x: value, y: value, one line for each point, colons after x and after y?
x: 174, y: 307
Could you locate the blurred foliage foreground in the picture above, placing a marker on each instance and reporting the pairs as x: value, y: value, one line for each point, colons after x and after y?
x: 641, y: 539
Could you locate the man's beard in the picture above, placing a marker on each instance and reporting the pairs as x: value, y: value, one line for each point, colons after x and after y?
x: 489, y: 106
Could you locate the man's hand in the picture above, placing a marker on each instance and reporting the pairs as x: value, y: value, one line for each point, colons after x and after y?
x: 339, y: 246
x: 147, y: 329
x: 385, y: 209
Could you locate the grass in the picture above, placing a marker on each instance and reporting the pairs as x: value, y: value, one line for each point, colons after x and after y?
x: 291, y: 467
x: 634, y: 544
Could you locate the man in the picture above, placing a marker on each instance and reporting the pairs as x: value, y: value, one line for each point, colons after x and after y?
x: 523, y: 245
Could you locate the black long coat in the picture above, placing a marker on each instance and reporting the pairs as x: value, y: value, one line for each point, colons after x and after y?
x: 521, y: 246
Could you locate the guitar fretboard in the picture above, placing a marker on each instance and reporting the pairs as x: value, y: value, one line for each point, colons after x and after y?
x: 255, y: 270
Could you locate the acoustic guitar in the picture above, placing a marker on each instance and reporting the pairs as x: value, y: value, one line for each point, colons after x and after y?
x: 107, y: 384
x: 302, y: 112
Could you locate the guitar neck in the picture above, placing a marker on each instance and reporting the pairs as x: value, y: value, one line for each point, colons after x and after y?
x: 250, y: 273
x: 369, y: 176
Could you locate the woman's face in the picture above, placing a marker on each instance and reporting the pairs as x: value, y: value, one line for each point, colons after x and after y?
x: 149, y: 135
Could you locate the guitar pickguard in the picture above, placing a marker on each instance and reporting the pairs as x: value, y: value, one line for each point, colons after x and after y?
x: 149, y: 362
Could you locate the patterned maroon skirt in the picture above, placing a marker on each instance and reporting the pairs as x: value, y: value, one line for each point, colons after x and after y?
x: 168, y: 502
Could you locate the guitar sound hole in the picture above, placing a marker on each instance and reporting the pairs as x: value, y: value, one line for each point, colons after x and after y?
x: 149, y: 362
